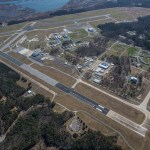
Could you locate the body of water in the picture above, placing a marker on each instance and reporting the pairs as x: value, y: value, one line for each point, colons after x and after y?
x: 37, y: 5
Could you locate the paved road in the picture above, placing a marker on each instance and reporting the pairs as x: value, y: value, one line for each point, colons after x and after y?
x: 127, y: 123
x: 145, y: 102
x: 13, y: 40
x: 82, y: 98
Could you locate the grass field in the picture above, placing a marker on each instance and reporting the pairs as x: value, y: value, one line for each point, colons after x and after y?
x: 132, y: 51
x: 119, y: 14
x: 78, y: 35
x: 58, y: 109
x: 59, y: 76
x: 42, y: 91
x: 13, y: 27
x: 3, y: 38
x: 94, y: 125
x: 111, y: 103
x: 20, y: 57
x: 25, y: 84
x: 61, y: 67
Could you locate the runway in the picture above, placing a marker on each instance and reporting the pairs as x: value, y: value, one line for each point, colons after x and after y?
x: 82, y: 98
x: 56, y: 84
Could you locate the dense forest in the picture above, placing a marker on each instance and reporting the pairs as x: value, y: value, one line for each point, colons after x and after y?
x: 137, y: 33
x: 96, y: 47
x: 34, y: 120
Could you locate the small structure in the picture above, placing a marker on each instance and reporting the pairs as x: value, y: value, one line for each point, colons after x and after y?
x: 104, y: 65
x: 98, y: 70
x: 35, y: 54
x: 29, y: 91
x: 90, y: 29
x: 97, y: 81
x: 75, y: 125
x: 134, y: 80
x: 98, y: 74
x: 132, y: 33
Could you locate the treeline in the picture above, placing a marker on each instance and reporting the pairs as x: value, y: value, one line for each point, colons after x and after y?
x: 43, y: 123
x: 95, y: 47
x: 40, y: 122
x: 8, y: 79
x: 141, y: 29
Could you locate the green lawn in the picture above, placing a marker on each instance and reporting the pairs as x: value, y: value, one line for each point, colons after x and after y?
x: 132, y: 51
x: 118, y: 49
x: 78, y: 34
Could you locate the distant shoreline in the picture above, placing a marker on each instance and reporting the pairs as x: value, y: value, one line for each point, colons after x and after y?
x: 66, y: 9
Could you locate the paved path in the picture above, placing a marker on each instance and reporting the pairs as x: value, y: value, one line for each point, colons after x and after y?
x: 127, y: 123
x: 13, y: 40
x: 143, y: 105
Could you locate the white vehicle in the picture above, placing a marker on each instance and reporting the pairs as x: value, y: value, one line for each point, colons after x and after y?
x: 99, y: 109
x: 101, y: 106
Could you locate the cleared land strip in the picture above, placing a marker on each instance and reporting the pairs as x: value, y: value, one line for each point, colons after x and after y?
x: 127, y: 123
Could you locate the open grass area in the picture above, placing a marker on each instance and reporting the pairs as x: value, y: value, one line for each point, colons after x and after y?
x: 42, y: 91
x: 59, y: 76
x: 78, y: 34
x: 3, y: 38
x: 12, y: 27
x: 146, y: 141
x: 25, y: 84
x: 119, y: 14
x: 111, y: 103
x: 58, y: 109
x: 94, y: 125
x: 118, y: 49
x: 42, y: 33
x: 61, y: 67
x: 132, y: 51
x: 100, y: 21
x: 20, y: 57
x: 145, y: 57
